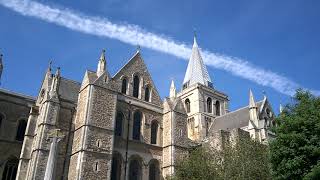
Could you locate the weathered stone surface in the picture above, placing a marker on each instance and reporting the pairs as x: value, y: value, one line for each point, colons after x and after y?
x: 86, y: 116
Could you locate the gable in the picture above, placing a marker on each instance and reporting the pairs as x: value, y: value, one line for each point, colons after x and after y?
x: 136, y: 66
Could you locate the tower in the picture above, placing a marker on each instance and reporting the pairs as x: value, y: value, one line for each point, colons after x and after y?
x: 202, y: 102
x: 253, y: 118
x: 92, y: 146
x: 175, y: 133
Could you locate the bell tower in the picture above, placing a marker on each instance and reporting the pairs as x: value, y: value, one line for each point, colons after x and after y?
x: 201, y: 100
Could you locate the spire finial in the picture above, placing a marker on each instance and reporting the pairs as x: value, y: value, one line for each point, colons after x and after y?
x: 195, y: 37
x: 102, y: 63
x: 50, y: 65
x: 103, y: 57
x: 252, y: 103
x: 172, y: 90
x: 58, y: 72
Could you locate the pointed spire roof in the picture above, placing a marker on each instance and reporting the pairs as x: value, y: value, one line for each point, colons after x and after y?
x: 55, y: 84
x: 172, y: 90
x: 252, y: 103
x: 196, y: 70
x: 102, y: 63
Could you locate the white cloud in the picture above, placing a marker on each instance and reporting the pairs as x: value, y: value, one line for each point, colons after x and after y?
x: 134, y: 35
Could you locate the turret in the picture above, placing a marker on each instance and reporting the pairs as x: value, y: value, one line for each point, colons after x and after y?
x: 55, y: 84
x: 253, y: 108
x: 173, y: 92
x: 102, y: 64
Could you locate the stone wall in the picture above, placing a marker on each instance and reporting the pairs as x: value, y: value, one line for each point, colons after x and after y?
x: 13, y: 108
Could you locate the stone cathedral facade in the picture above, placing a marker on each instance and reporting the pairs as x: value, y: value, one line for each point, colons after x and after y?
x: 117, y: 127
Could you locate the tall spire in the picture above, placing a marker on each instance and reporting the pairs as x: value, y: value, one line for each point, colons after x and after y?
x: 55, y: 84
x: 252, y: 103
x: 196, y: 70
x: 253, y: 108
x: 102, y: 64
x: 172, y: 90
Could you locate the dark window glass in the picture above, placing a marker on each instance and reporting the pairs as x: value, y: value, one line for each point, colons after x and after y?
x: 154, y: 132
x: 218, y: 108
x: 136, y: 85
x: 147, y: 94
x: 21, y: 130
x: 116, y: 168
x: 187, y: 103
x: 119, y: 122
x: 124, y: 86
x: 134, y: 170
x: 10, y: 169
x: 136, y: 125
x: 153, y: 172
x: 209, y: 105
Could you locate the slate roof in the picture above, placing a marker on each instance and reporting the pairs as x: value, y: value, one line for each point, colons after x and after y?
x: 69, y: 89
x: 196, y: 70
x: 235, y: 119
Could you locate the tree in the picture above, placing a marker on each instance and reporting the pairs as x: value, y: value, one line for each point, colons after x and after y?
x: 295, y: 153
x: 246, y: 159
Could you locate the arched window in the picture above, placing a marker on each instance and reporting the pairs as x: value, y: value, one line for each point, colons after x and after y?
x: 147, y: 94
x: 136, y: 86
x: 218, y: 108
x: 134, y: 170
x: 209, y: 105
x: 154, y: 172
x: 10, y: 169
x: 116, y: 168
x: 136, y: 125
x: 21, y: 130
x: 187, y: 103
x: 124, y: 86
x: 154, y: 132
x: 119, y: 123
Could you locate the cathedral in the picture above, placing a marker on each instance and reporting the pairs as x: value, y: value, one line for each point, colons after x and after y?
x: 117, y: 126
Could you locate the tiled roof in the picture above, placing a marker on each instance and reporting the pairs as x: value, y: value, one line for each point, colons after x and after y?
x: 235, y: 119
x: 196, y: 70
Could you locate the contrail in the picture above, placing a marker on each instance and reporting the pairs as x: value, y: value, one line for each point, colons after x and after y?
x: 134, y: 35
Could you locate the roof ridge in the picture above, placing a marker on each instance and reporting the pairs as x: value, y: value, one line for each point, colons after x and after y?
x: 237, y: 110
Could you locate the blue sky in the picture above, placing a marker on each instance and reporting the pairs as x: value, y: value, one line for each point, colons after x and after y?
x: 281, y: 37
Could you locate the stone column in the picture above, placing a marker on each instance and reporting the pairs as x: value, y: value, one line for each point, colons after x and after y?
x: 50, y: 168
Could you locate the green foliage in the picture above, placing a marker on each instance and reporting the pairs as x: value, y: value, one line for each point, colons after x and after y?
x: 296, y: 150
x: 314, y: 174
x: 246, y: 159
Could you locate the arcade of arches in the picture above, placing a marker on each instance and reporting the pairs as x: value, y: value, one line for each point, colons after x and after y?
x: 136, y: 168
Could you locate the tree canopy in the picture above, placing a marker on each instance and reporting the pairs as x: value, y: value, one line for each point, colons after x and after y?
x: 247, y: 159
x: 295, y: 153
